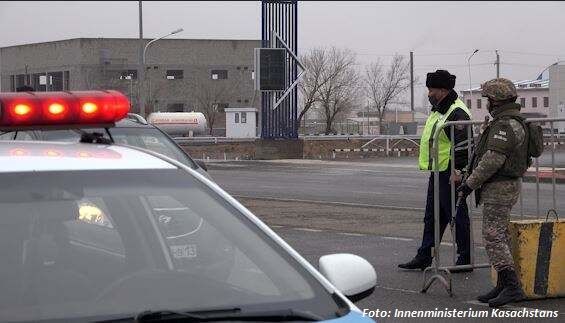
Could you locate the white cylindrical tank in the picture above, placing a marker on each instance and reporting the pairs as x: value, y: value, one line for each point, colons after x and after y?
x: 179, y: 123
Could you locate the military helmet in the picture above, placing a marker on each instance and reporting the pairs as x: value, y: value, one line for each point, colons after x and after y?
x: 499, y: 89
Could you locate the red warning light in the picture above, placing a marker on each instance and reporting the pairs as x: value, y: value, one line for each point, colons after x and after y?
x: 56, y: 109
x: 89, y: 108
x: 73, y: 109
x: 22, y: 109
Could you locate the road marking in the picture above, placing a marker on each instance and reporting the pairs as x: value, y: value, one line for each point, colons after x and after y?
x: 352, y: 234
x: 308, y: 230
x: 398, y: 238
x: 399, y: 289
x: 477, y: 215
x: 368, y: 192
x: 378, y: 206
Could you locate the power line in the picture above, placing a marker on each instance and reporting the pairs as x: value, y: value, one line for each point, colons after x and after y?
x: 520, y: 64
x: 452, y: 65
x: 532, y: 54
x: 442, y: 54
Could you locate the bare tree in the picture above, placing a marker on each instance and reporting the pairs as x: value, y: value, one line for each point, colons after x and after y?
x: 315, y: 62
x: 383, y: 87
x: 208, y: 95
x: 339, y: 89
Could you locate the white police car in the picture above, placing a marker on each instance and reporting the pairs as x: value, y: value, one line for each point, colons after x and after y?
x: 107, y: 232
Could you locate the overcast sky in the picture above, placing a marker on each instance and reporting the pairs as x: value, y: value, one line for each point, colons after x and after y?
x: 529, y: 35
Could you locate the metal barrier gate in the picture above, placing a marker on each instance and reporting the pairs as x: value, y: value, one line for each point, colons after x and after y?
x: 436, y: 267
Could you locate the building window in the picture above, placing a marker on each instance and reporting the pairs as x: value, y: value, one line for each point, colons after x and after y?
x: 545, y: 102
x: 534, y: 102
x: 39, y: 82
x: 236, y: 117
x: 479, y: 101
x: 12, y: 83
x: 244, y: 117
x: 128, y: 75
x: 175, y: 74
x: 523, y: 102
x: 55, y: 81
x: 469, y: 103
x: 219, y: 74
x: 66, y: 81
x: 20, y: 80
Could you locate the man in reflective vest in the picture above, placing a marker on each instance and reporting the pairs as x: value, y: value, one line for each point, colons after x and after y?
x: 446, y: 106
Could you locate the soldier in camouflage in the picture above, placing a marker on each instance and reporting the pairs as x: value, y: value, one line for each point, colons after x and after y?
x: 500, y: 160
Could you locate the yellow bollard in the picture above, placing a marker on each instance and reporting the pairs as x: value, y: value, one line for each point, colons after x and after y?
x: 538, y: 249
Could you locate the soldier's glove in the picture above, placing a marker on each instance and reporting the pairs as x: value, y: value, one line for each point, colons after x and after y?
x: 464, y: 190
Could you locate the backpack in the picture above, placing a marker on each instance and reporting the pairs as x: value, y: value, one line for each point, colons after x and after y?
x: 534, y: 137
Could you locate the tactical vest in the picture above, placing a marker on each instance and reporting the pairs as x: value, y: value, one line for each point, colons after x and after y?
x: 434, y: 122
x: 517, y: 160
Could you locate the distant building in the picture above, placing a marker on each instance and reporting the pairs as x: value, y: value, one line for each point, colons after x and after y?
x: 557, y: 94
x: 181, y: 74
x: 533, y: 95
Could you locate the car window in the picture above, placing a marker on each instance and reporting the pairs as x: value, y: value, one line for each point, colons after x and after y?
x: 97, y: 243
x: 143, y: 137
x: 152, y: 139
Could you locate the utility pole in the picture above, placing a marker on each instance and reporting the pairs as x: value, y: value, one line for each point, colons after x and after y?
x: 368, y: 122
x: 141, y: 80
x: 497, y: 64
x: 412, y: 81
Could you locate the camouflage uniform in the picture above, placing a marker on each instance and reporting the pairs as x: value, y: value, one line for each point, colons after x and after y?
x: 497, y: 151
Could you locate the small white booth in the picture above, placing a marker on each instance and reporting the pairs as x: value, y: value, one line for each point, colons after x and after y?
x: 241, y: 122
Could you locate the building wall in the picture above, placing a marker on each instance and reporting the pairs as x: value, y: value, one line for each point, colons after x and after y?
x: 526, y: 94
x: 97, y: 63
x: 557, y: 94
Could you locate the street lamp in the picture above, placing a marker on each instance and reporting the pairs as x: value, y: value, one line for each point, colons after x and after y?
x: 470, y: 84
x: 142, y: 107
x: 156, y: 39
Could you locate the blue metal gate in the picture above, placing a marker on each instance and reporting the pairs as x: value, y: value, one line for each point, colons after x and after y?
x: 280, y: 17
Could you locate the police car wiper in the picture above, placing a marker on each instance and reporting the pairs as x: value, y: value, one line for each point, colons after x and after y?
x: 233, y: 314
x: 263, y: 316
x: 156, y: 316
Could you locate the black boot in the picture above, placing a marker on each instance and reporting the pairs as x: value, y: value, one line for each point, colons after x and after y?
x: 512, y: 289
x: 493, y: 292
x: 418, y: 262
x: 462, y: 260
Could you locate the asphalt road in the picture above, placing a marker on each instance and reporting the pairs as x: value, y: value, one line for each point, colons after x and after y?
x: 373, y: 210
x: 392, y: 182
x: 400, y: 290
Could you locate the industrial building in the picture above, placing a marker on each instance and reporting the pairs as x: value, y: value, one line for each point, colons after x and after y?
x: 180, y: 74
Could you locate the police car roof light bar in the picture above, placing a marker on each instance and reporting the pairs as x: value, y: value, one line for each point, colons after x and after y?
x: 40, y: 110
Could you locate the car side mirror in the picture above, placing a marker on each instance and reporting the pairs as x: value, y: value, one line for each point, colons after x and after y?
x: 201, y: 164
x: 352, y: 275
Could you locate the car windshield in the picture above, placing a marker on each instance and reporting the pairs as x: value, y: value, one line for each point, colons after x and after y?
x: 88, y: 244
x: 148, y: 138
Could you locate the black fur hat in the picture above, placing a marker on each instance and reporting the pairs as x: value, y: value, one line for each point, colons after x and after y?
x: 440, y: 79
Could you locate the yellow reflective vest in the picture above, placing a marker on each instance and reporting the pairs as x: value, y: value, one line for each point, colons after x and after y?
x: 433, y: 124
